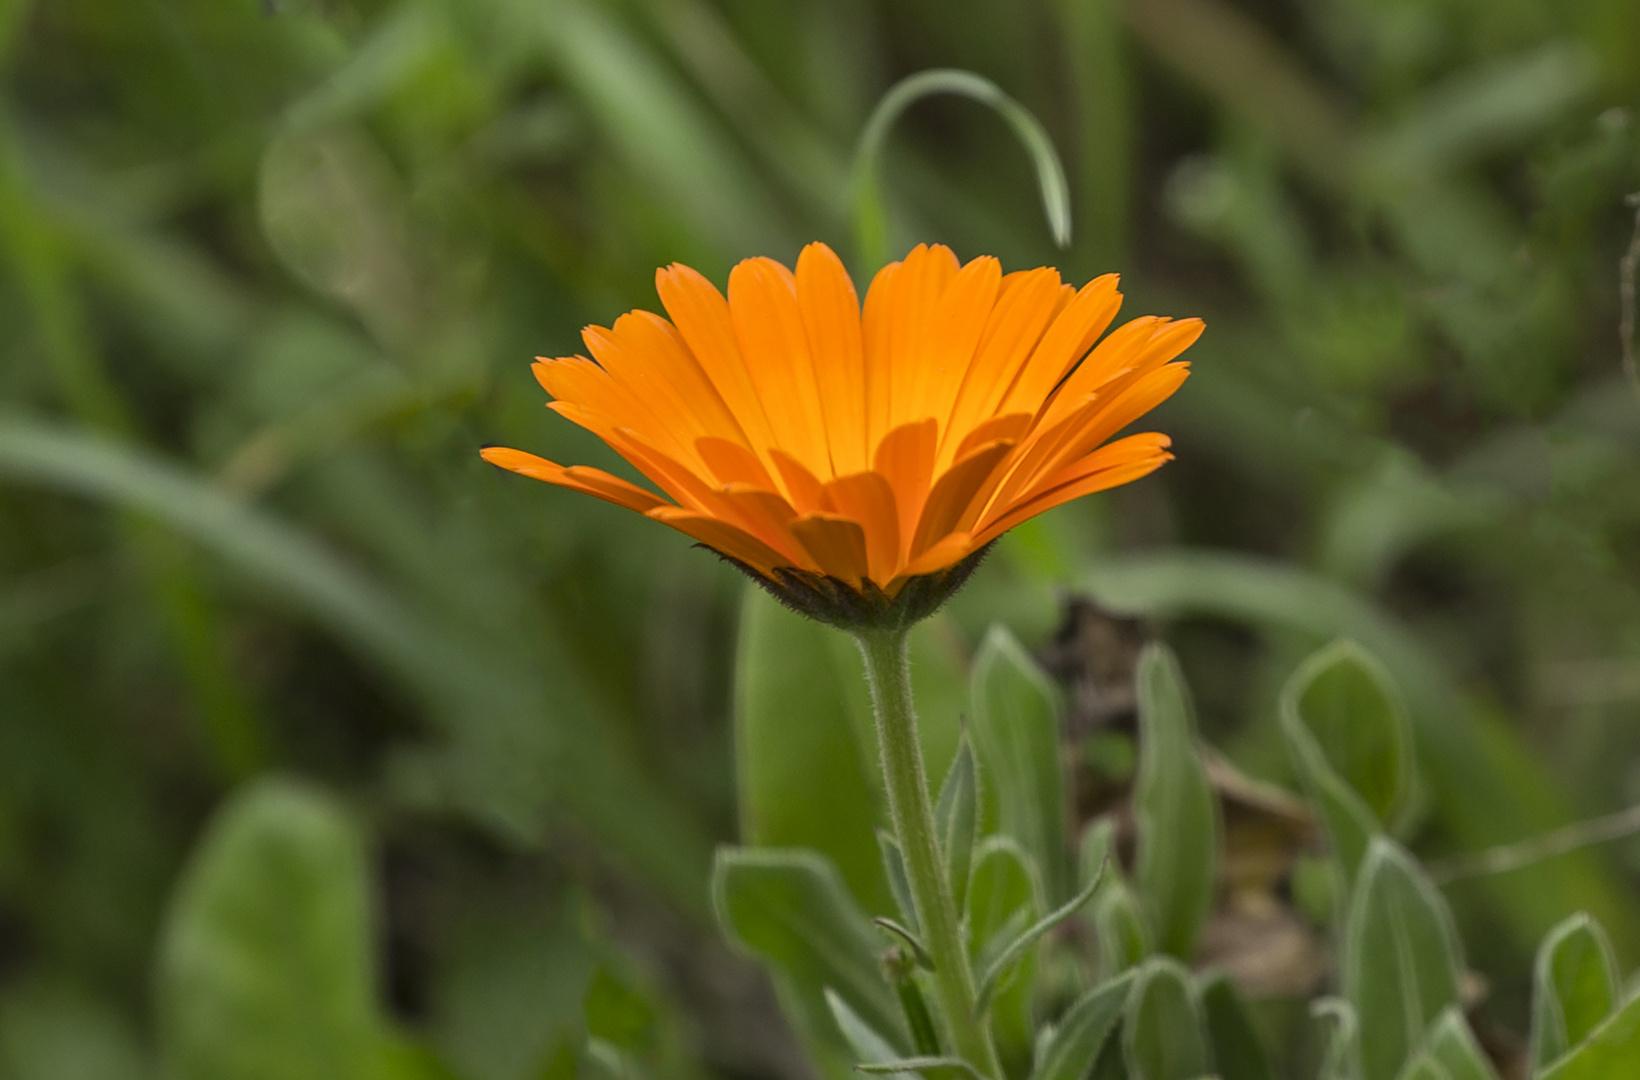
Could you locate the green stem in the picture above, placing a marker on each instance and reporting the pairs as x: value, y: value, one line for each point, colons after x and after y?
x: 889, y: 672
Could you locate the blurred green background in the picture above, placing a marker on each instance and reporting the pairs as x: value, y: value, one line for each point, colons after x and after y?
x: 272, y: 272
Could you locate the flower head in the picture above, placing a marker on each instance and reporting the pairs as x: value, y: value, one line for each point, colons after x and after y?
x: 858, y: 464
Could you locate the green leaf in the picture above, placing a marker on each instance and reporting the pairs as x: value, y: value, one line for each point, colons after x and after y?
x: 266, y: 962
x: 803, y: 778
x: 1162, y: 1035
x: 1016, y: 736
x: 894, y: 872
x: 1350, y: 821
x: 1342, y: 1051
x: 1452, y: 1046
x: 1029, y: 937
x: 1610, y: 1050
x: 1238, y: 1051
x: 1349, y: 706
x: 1074, y: 1044
x: 1401, y: 960
x: 1124, y: 935
x: 1176, y: 814
x: 1004, y: 899
x: 869, y: 1046
x: 790, y: 908
x: 1002, y: 892
x: 1574, y: 987
x: 957, y: 816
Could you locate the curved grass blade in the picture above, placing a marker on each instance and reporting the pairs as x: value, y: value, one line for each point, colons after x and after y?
x: 871, y: 231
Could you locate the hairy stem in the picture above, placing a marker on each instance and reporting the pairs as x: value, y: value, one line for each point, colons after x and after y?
x: 889, y: 672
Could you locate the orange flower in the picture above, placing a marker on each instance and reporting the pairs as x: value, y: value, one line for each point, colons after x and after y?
x: 856, y: 453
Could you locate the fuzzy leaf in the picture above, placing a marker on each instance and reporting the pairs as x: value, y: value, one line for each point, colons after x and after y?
x: 1401, y: 960
x: 791, y: 909
x: 1162, y: 1036
x: 1611, y: 1050
x: 1016, y: 737
x: 1452, y: 1046
x: 1175, y: 809
x: 1574, y: 987
x: 1238, y: 1052
x: 1070, y: 1051
x: 957, y: 818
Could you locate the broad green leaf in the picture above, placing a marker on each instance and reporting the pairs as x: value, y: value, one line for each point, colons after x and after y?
x: 957, y: 818
x: 1162, y: 1037
x: 1401, y: 960
x: 791, y: 909
x: 1452, y: 1046
x: 1003, y: 901
x: 1016, y: 737
x: 1574, y: 987
x: 1070, y: 1051
x: 869, y: 1046
x: 1350, y: 821
x: 1176, y: 814
x: 1346, y: 701
x: 1124, y: 934
x: 1002, y: 893
x: 266, y: 963
x: 1611, y: 1050
x: 1238, y: 1051
x: 803, y: 773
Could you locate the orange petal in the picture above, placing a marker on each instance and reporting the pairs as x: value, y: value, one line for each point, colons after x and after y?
x: 955, y: 493
x: 1023, y: 309
x: 767, y: 516
x: 831, y: 318
x: 732, y: 463
x: 875, y: 321
x: 1138, y: 345
x: 769, y: 326
x: 1083, y: 319
x: 701, y: 315
x: 722, y: 537
x: 581, y: 478
x: 866, y: 497
x: 964, y: 309
x: 948, y: 552
x: 914, y: 325
x: 1009, y: 426
x: 802, y: 487
x: 837, y: 545
x: 905, y: 457
x: 1114, y: 471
